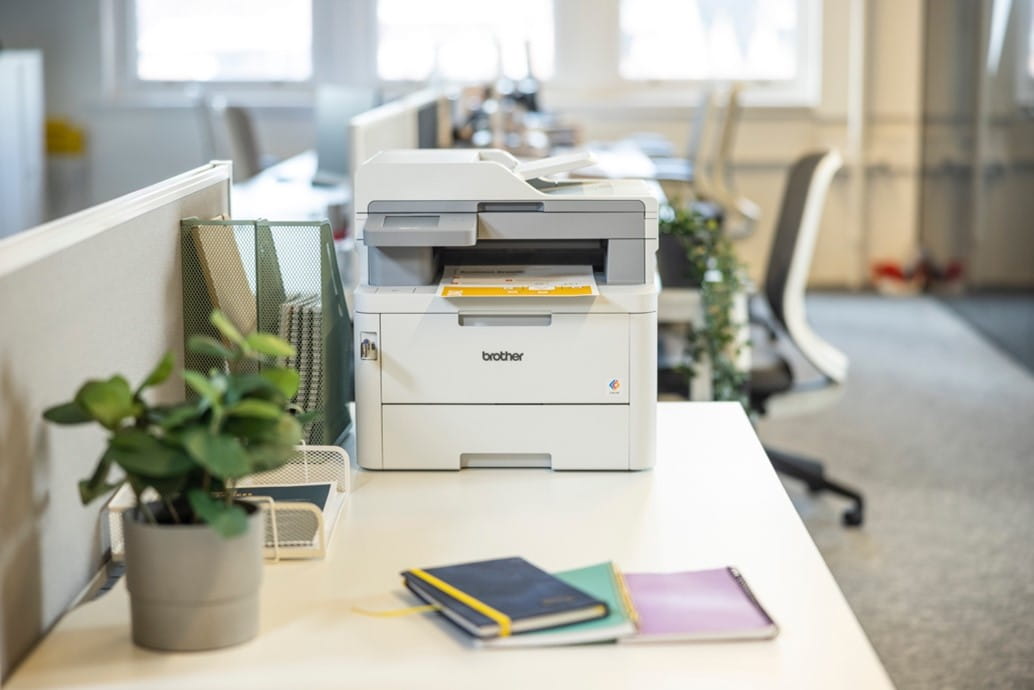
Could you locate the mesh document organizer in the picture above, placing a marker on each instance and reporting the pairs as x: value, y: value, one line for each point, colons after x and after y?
x: 282, y: 278
x: 293, y: 530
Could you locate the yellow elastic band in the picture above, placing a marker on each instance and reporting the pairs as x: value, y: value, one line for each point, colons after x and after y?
x: 502, y: 619
x: 626, y: 597
x: 396, y: 613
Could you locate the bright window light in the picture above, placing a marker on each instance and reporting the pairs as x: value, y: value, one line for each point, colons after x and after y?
x: 464, y: 40
x: 710, y: 39
x: 1030, y: 42
x: 223, y: 40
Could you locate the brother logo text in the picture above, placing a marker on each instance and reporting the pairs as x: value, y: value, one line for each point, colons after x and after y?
x: 501, y: 356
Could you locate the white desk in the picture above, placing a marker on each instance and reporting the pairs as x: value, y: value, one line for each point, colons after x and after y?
x: 285, y: 192
x: 712, y: 500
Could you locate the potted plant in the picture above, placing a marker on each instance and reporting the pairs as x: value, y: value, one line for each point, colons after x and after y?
x: 700, y: 255
x: 193, y: 556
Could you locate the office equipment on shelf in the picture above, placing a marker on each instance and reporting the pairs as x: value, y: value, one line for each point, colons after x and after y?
x: 335, y: 108
x: 546, y: 381
x: 277, y: 277
x: 699, y: 605
x: 779, y: 312
x: 502, y: 597
x: 602, y: 581
x: 302, y: 500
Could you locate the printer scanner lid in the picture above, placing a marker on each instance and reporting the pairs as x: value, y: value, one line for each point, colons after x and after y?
x: 483, y: 174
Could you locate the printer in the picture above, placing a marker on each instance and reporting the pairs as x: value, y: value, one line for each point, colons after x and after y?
x: 554, y: 377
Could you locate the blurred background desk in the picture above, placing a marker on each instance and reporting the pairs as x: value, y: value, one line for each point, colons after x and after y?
x: 285, y: 192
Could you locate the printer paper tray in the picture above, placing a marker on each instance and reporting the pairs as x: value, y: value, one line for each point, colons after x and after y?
x: 564, y: 437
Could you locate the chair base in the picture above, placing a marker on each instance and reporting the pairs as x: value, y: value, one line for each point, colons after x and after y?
x: 813, y: 474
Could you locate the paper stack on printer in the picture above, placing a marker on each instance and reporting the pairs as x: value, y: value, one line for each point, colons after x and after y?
x: 509, y: 602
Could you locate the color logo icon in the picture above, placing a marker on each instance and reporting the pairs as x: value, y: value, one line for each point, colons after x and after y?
x: 614, y: 385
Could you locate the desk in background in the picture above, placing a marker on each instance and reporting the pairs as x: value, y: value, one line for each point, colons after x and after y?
x: 285, y: 192
x: 712, y: 500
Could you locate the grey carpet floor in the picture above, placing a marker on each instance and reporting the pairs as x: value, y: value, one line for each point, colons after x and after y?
x: 1004, y: 318
x: 936, y: 426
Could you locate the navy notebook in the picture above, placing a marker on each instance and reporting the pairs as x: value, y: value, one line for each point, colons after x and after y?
x: 501, y: 597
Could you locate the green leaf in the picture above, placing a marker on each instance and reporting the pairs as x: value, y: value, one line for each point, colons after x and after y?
x: 97, y: 484
x: 271, y: 345
x: 67, y: 413
x: 171, y: 417
x: 160, y: 373
x: 140, y: 453
x: 304, y: 418
x: 269, y: 456
x: 88, y: 491
x: 202, y: 386
x: 204, y: 345
x: 109, y: 402
x: 221, y: 455
x: 227, y: 520
x: 252, y: 407
x: 240, y: 386
x: 226, y: 327
x: 287, y: 431
x: 286, y: 380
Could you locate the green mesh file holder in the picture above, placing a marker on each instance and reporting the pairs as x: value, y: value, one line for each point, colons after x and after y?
x: 281, y: 278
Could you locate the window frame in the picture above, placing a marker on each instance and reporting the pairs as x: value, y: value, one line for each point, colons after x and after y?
x: 586, y: 63
x: 598, y: 81
x: 333, y: 61
x: 1024, y: 53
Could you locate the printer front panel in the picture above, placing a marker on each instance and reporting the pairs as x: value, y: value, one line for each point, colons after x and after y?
x: 510, y: 357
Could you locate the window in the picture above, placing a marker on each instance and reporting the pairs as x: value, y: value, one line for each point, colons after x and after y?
x: 709, y: 39
x: 219, y: 40
x: 464, y: 40
x: 1025, y: 55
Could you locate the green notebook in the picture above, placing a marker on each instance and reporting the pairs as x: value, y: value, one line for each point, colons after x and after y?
x: 602, y: 581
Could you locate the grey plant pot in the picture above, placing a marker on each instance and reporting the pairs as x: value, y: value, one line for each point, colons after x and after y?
x: 189, y: 588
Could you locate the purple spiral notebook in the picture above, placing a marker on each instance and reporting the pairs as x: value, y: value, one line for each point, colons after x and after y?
x: 696, y: 605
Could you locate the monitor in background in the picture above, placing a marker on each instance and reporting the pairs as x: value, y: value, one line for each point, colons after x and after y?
x: 427, y: 126
x: 335, y: 108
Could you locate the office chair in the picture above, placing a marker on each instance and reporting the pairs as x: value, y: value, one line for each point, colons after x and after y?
x: 674, y: 169
x: 741, y: 214
x: 775, y: 387
x: 231, y: 132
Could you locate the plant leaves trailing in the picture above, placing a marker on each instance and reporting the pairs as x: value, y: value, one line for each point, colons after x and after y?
x: 714, y: 266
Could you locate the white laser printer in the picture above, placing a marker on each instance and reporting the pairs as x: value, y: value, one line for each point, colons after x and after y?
x: 511, y: 377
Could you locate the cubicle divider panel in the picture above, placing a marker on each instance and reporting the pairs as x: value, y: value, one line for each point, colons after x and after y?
x: 82, y: 297
x: 282, y: 278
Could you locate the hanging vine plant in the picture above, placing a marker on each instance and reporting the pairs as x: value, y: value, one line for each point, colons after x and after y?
x: 712, y: 266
